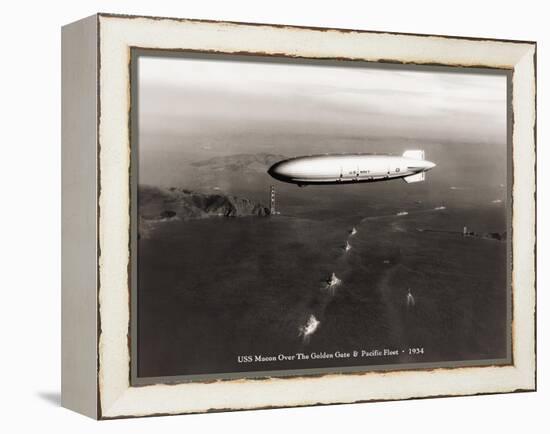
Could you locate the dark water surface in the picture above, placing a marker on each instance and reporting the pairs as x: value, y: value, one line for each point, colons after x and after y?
x: 215, y: 289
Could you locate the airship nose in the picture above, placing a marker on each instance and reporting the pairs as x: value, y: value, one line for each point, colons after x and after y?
x: 277, y: 171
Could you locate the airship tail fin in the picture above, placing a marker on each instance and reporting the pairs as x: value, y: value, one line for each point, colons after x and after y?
x: 417, y: 154
x: 418, y: 177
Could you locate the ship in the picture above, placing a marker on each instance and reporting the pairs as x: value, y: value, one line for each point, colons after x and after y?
x: 333, y: 281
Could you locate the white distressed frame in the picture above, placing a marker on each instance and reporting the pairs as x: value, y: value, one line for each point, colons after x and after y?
x: 116, y: 35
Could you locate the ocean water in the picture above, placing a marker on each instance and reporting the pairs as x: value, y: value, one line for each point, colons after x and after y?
x: 216, y: 289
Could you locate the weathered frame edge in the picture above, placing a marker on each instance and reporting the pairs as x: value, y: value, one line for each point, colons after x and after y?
x: 79, y: 274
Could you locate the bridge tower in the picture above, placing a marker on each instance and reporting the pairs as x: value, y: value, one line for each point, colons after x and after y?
x: 272, y: 209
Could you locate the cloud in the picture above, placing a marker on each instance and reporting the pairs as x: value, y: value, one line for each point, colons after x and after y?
x: 216, y: 96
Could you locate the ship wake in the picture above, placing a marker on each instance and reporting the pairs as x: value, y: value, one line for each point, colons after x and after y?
x: 306, y: 331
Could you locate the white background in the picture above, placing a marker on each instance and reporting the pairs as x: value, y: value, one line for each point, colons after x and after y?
x: 30, y: 216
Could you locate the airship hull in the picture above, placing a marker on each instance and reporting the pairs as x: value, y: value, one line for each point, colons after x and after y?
x: 351, y: 168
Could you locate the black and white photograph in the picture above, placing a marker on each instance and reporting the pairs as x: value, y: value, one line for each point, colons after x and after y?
x: 284, y: 217
x: 299, y: 216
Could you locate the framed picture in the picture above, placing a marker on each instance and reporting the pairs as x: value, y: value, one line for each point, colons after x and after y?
x: 260, y: 216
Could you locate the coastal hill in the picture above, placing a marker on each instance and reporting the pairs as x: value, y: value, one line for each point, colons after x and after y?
x: 240, y: 162
x: 158, y: 204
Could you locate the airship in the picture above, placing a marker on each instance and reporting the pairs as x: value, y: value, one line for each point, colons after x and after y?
x: 351, y: 168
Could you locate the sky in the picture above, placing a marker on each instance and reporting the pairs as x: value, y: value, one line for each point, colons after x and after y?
x: 196, y: 108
